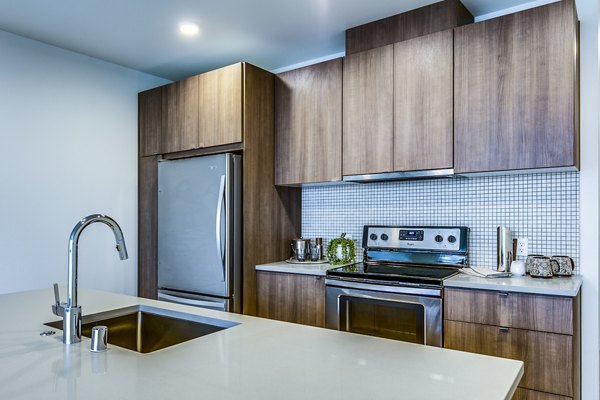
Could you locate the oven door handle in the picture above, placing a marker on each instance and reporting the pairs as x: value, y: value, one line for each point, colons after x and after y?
x: 405, y: 290
x: 368, y: 297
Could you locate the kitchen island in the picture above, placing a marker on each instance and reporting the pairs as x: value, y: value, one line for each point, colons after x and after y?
x: 257, y: 359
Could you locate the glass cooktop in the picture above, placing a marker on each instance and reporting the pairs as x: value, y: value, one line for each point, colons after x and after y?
x: 393, y: 273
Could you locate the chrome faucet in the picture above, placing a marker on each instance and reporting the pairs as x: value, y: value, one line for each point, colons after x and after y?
x: 71, y: 311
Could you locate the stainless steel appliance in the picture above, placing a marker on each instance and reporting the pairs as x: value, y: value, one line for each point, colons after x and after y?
x: 396, y: 292
x: 199, y: 231
x: 504, y: 246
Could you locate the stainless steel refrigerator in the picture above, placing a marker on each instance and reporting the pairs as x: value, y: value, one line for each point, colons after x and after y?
x: 199, y: 231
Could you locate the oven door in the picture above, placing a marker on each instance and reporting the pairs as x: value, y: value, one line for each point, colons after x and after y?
x: 401, y: 313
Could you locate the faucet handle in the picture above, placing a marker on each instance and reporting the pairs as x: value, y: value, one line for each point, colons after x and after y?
x: 57, y: 308
x: 56, y: 294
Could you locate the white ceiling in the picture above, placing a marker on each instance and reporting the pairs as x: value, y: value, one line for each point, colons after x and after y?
x: 143, y: 34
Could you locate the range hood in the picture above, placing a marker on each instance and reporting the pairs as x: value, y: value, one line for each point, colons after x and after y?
x: 400, y: 176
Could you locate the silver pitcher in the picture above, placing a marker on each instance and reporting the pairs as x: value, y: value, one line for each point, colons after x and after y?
x: 504, y: 249
x: 301, y: 249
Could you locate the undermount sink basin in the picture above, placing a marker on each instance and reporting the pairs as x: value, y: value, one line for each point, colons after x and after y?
x: 146, y: 329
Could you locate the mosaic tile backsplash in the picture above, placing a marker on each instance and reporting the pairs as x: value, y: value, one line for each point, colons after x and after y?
x: 541, y: 207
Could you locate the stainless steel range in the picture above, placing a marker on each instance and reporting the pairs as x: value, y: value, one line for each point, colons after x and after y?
x: 396, y: 292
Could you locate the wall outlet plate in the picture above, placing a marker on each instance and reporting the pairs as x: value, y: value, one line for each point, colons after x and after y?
x: 522, y: 247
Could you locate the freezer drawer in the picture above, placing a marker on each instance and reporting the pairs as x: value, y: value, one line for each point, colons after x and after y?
x: 213, y: 303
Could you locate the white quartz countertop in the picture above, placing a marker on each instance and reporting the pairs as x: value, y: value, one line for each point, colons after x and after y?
x: 304, y: 269
x: 556, y: 286
x: 258, y: 359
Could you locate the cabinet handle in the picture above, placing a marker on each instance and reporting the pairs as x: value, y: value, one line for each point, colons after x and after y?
x: 503, y: 329
x: 503, y: 294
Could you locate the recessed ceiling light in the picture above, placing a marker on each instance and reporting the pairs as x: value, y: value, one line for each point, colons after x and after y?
x: 189, y: 29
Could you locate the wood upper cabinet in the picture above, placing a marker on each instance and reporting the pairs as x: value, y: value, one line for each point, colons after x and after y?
x: 368, y: 108
x: 308, y: 124
x: 516, y: 91
x: 180, y: 116
x: 220, y: 106
x: 291, y: 297
x: 423, y: 96
x: 150, y: 121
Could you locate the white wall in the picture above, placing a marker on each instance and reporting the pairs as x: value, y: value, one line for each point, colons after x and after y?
x: 68, y: 134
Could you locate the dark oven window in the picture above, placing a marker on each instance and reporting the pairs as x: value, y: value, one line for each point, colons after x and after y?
x: 384, y: 318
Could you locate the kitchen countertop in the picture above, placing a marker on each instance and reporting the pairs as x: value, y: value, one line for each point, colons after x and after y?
x: 304, y: 269
x: 258, y: 359
x: 563, y: 286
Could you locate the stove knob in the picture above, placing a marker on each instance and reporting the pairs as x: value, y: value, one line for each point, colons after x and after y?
x: 451, y: 239
x: 384, y: 236
x: 439, y: 238
x: 373, y: 236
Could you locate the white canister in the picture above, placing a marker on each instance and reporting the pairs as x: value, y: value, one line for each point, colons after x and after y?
x: 517, y: 268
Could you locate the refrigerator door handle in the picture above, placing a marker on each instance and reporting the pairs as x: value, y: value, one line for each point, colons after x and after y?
x: 218, y: 222
x: 191, y: 302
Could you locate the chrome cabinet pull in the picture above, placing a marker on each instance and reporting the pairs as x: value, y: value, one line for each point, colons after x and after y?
x: 503, y: 294
x: 503, y: 329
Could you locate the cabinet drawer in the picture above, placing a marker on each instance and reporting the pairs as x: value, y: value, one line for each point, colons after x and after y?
x: 526, y: 394
x: 514, y: 310
x: 548, y: 357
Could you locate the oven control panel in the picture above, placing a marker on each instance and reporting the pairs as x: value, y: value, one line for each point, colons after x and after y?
x: 417, y: 238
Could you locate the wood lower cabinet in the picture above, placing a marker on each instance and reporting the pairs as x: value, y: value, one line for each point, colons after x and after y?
x: 368, y: 111
x: 220, y: 106
x: 423, y: 103
x: 526, y: 394
x: 542, y: 331
x: 548, y: 357
x: 516, y: 310
x: 291, y: 297
x: 308, y: 124
x: 180, y: 116
x: 516, y: 91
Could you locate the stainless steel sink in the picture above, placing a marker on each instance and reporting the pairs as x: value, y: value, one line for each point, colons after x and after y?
x: 146, y: 329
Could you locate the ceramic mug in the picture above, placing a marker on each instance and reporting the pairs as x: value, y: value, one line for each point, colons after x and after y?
x: 529, y: 261
x: 543, y: 267
x: 566, y: 265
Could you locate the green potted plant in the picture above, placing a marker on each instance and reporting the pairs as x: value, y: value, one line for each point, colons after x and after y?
x: 341, y: 250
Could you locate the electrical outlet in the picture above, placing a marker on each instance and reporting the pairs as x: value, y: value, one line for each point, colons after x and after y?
x: 522, y: 247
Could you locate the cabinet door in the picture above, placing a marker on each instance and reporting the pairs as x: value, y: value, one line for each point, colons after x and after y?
x: 423, y: 96
x: 220, y: 106
x: 180, y: 116
x: 368, y: 123
x: 548, y: 357
x: 516, y: 91
x: 150, y: 121
x: 308, y: 124
x: 291, y: 297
